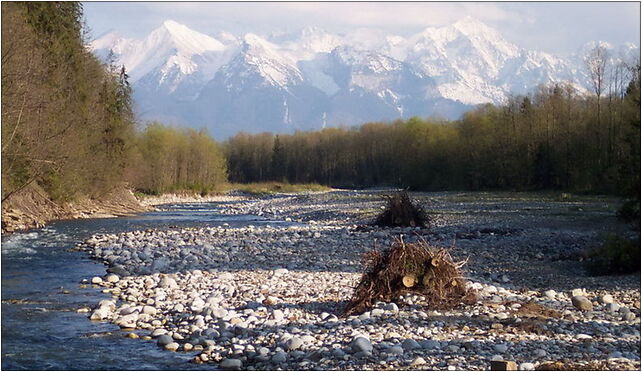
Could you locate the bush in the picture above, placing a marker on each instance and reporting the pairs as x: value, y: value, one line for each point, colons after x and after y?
x: 629, y: 212
x: 401, y: 211
x: 616, y: 255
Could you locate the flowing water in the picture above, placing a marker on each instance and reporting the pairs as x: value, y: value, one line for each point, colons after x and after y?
x: 41, y: 275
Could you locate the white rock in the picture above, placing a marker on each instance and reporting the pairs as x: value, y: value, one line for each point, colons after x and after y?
x: 500, y: 348
x: 526, y: 366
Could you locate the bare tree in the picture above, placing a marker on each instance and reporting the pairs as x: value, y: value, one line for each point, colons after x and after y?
x: 596, y: 62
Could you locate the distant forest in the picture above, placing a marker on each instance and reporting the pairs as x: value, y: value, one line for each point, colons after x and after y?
x: 68, y: 129
x: 553, y: 138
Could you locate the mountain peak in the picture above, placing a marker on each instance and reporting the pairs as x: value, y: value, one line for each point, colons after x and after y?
x: 183, y: 38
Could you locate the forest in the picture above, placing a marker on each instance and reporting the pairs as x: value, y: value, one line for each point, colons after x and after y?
x: 68, y: 127
x: 554, y: 138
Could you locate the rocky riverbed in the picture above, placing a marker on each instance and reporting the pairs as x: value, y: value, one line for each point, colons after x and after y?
x: 271, y: 297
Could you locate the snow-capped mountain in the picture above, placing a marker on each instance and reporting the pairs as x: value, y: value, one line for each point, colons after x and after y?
x: 313, y: 78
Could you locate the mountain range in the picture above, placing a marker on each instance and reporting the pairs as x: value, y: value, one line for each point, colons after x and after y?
x: 313, y: 78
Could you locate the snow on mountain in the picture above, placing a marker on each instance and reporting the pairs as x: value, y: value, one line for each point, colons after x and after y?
x: 311, y: 78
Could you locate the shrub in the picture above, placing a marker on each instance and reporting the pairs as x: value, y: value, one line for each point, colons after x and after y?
x: 629, y: 212
x: 616, y: 255
x: 401, y: 211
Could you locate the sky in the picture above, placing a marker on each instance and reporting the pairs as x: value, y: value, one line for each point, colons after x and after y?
x: 555, y: 27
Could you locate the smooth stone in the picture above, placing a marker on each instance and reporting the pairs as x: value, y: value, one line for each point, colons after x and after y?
x: 410, y: 344
x: 231, y: 364
x: 376, y: 312
x: 396, y: 350
x: 293, y: 343
x: 429, y: 344
x: 219, y: 312
x: 99, y: 314
x: 391, y: 307
x: 526, y: 366
x: 279, y: 357
x: 96, y: 280
x: 149, y: 310
x: 500, y: 348
x: 578, y: 292
x: 164, y: 340
x: 362, y: 344
x: 582, y: 303
x: 277, y: 315
x: 158, y: 332
x: 612, y: 308
x: 418, y: 361
x: 172, y: 346
x: 112, y: 278
x: 540, y: 353
x: 281, y: 271
x: 606, y: 299
x: 550, y: 294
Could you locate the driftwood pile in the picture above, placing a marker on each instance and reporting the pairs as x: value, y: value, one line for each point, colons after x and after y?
x: 401, y: 211
x: 410, y: 268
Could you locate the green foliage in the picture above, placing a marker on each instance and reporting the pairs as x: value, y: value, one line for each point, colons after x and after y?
x: 616, y: 255
x: 170, y: 160
x: 266, y: 188
x: 549, y: 139
x: 67, y: 121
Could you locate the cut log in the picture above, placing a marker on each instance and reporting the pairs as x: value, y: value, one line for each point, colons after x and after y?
x: 503, y: 365
x: 409, y: 281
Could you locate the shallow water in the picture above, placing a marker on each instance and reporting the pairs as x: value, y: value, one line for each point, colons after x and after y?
x: 41, y: 292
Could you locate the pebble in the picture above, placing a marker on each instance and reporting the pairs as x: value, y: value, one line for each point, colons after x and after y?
x: 164, y: 340
x: 293, y: 343
x: 500, y: 348
x: 362, y: 344
x: 551, y: 294
x: 410, y: 344
x: 606, y: 299
x: 231, y: 364
x: 112, y: 278
x: 418, y: 361
x: 279, y: 357
x: 582, y: 303
x: 526, y: 366
x: 172, y: 346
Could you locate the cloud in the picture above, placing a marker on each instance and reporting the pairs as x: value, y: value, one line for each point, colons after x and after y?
x: 548, y: 26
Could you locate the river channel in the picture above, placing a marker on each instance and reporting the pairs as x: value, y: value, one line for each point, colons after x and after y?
x: 41, y: 291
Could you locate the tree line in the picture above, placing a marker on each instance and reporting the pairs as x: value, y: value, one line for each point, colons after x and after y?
x: 553, y: 138
x: 68, y: 125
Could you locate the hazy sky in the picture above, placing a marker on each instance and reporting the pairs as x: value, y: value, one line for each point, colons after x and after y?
x: 556, y: 27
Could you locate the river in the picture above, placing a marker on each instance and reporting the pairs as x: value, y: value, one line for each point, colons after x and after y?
x: 41, y: 291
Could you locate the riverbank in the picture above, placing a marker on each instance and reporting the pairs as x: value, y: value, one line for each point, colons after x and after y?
x: 268, y: 297
x: 32, y: 208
